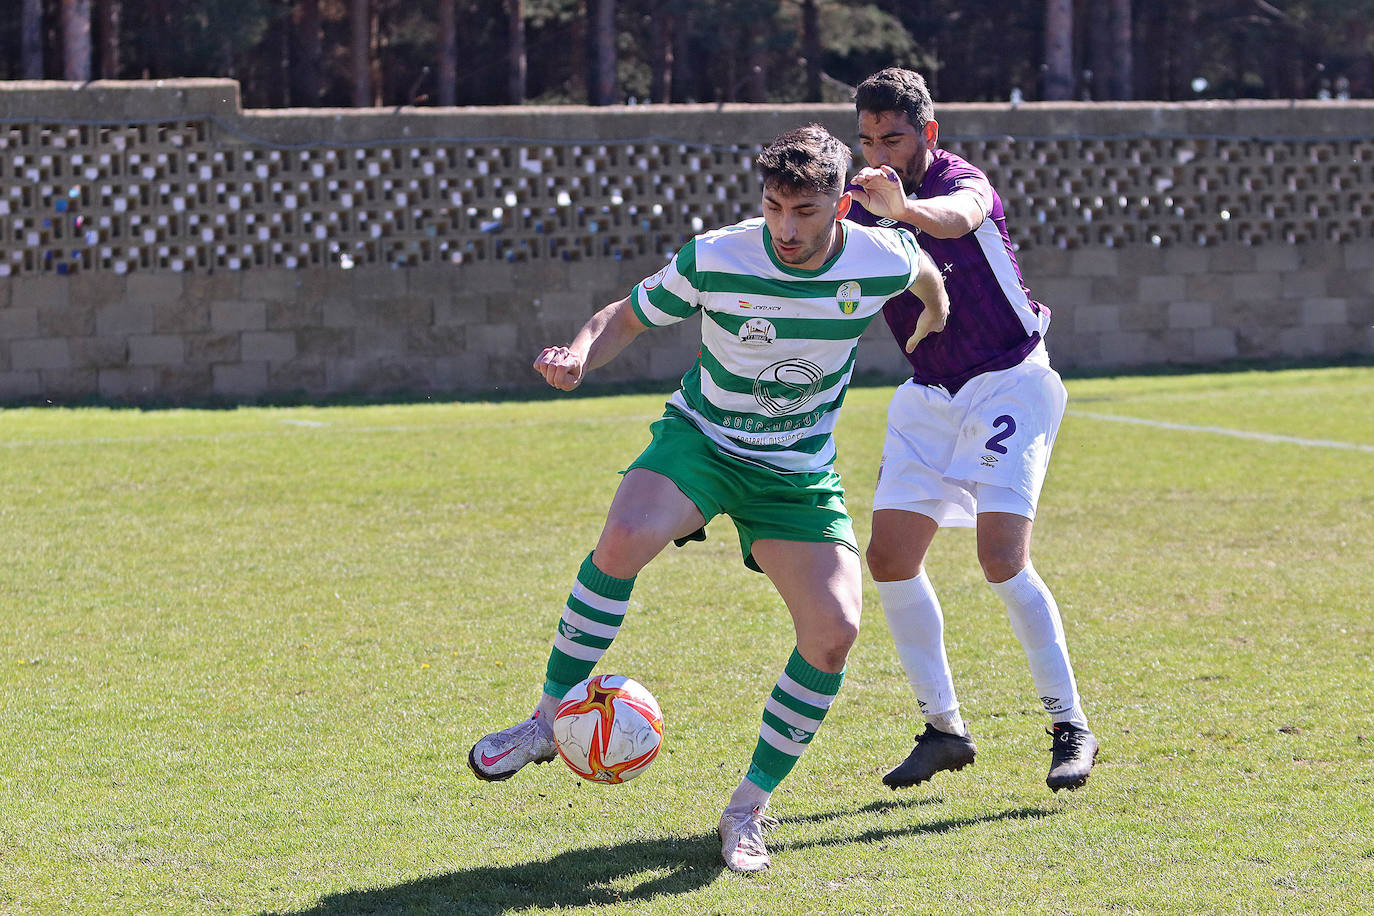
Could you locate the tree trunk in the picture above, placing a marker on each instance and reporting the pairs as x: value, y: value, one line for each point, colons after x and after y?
x: 1180, y: 86
x: 76, y: 40
x: 1058, y: 50
x: 1123, y: 68
x: 31, y: 39
x: 308, y: 68
x: 517, y: 64
x: 660, y: 54
x: 1100, y: 51
x: 448, y: 53
x: 681, y: 38
x: 811, y: 48
x: 600, y: 52
x: 109, y: 12
x: 360, y: 20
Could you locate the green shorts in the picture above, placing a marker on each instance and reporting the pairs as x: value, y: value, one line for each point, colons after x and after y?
x: 762, y: 503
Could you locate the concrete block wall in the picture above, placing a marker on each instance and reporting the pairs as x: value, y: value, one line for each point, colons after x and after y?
x: 158, y: 245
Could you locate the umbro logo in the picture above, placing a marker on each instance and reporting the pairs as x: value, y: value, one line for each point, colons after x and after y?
x: 1051, y: 703
x: 887, y: 223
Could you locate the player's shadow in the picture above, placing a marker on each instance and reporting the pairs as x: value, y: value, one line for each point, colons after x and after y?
x: 624, y: 873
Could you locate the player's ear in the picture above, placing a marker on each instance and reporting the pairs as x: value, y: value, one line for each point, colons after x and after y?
x: 845, y: 200
x: 932, y: 133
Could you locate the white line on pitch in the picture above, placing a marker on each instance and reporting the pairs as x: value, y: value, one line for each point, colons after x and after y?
x: 1222, y: 431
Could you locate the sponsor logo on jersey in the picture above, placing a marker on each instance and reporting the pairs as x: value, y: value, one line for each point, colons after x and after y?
x: 848, y: 296
x: 758, y: 332
x: 746, y: 304
x: 786, y: 386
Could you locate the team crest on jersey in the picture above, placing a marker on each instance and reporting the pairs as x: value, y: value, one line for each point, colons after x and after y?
x: 847, y: 296
x: 656, y: 279
x: 758, y: 332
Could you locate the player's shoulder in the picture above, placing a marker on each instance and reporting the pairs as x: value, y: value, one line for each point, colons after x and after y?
x: 945, y: 164
x: 949, y: 173
x: 879, y: 238
x: 741, y: 233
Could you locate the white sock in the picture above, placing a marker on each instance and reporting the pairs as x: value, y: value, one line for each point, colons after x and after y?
x: 548, y: 706
x: 1035, y: 621
x: 918, y: 630
x: 749, y: 796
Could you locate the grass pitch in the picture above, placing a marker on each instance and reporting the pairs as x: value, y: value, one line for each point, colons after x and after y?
x: 243, y: 654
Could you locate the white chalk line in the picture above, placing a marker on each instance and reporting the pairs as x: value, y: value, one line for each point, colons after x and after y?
x: 1223, y: 431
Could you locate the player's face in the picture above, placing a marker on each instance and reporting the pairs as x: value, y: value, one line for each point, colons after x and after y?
x: 888, y: 138
x: 804, y: 225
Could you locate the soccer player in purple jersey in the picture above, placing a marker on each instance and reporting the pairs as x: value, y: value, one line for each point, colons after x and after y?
x: 969, y: 436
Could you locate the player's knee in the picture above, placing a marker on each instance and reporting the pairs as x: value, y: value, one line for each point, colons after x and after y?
x: 830, y: 653
x: 888, y: 563
x: 621, y: 550
x: 1001, y: 565
x: 827, y: 646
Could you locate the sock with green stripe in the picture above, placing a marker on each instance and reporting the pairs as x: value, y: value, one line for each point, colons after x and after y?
x: 590, y: 620
x: 791, y: 716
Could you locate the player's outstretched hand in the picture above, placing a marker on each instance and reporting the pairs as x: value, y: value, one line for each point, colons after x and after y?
x: 932, y: 320
x: 561, y: 367
x: 880, y: 192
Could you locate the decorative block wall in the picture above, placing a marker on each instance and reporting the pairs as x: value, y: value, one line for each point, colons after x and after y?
x: 158, y: 244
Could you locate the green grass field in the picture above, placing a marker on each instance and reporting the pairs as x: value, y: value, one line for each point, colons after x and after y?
x: 243, y: 655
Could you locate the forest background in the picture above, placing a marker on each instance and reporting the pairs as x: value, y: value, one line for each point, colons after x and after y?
x: 363, y: 53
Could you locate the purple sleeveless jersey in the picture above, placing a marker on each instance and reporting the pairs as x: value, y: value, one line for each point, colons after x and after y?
x: 993, y: 322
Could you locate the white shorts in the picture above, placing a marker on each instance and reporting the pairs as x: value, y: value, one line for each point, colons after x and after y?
x: 986, y: 449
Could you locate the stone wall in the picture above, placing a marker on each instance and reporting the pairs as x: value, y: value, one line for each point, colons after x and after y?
x: 158, y: 244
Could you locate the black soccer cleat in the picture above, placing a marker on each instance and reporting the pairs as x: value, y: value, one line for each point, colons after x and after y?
x: 1072, y: 756
x: 934, y: 751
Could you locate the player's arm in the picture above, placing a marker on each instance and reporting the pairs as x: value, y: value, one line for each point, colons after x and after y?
x: 929, y: 287
x: 601, y: 339
x: 949, y: 216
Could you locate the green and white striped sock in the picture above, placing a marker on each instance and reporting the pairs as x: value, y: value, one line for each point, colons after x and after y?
x: 590, y: 620
x: 791, y: 716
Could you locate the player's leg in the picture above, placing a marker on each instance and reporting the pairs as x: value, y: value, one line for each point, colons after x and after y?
x: 913, y: 499
x: 821, y: 585
x: 896, y: 556
x: 1004, y: 539
x: 648, y: 512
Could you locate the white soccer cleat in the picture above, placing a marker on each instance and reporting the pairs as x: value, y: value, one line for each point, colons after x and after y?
x: 741, y: 839
x: 500, y: 754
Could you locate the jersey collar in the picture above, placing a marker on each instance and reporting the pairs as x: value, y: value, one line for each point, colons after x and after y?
x: 796, y: 272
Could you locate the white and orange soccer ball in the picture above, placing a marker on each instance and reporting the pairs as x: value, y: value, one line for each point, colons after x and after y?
x: 608, y: 729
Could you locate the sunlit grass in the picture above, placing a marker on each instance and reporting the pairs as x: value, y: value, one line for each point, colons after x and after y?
x: 243, y: 654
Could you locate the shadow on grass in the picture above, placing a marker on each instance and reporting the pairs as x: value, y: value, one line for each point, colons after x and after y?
x: 621, y: 874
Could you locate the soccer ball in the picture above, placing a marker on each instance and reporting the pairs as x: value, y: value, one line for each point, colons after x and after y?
x: 608, y: 729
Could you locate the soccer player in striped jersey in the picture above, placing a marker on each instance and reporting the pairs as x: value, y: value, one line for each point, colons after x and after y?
x: 969, y: 436
x: 783, y: 301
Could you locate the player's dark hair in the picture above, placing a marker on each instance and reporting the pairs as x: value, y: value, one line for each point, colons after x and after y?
x: 896, y: 89
x: 806, y: 158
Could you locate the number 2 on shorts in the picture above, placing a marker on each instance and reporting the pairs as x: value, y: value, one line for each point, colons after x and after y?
x: 995, y: 443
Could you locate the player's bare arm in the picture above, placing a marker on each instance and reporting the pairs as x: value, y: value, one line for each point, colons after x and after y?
x: 929, y: 287
x: 949, y: 216
x: 601, y: 339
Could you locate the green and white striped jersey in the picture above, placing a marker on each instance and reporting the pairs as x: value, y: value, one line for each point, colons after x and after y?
x: 777, y: 343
